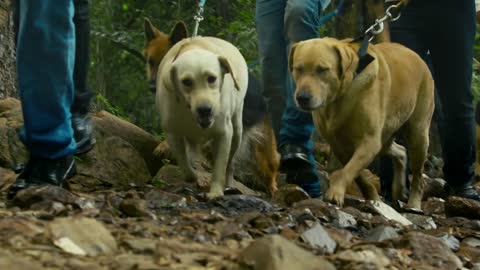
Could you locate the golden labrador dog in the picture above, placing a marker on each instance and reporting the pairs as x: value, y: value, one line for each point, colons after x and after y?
x: 201, y: 86
x: 359, y: 114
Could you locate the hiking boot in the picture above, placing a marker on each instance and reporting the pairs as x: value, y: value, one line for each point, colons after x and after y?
x: 308, y: 180
x: 295, y: 162
x: 293, y: 157
x: 83, y: 132
x: 40, y: 171
x: 465, y: 191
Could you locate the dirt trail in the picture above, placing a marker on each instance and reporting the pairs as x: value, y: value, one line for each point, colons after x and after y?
x: 117, y: 216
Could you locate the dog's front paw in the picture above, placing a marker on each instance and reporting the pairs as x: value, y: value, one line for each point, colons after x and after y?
x: 335, y: 196
x: 214, y: 194
x: 336, y: 191
x: 162, y: 150
x: 415, y: 202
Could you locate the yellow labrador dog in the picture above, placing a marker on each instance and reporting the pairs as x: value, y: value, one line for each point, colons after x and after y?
x: 200, y: 93
x: 359, y: 114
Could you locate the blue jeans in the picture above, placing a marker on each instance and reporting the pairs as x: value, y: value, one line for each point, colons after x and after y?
x: 45, y: 63
x: 280, y: 23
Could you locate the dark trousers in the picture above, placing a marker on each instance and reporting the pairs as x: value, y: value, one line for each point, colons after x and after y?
x: 446, y: 29
x: 81, y: 20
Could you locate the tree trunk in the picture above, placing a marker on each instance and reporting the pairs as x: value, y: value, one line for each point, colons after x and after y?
x: 7, y: 50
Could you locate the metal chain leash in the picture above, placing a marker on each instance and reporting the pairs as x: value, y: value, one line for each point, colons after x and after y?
x: 378, y: 26
x: 371, y: 32
x: 199, y: 16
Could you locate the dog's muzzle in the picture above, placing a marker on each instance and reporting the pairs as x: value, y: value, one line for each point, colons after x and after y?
x: 204, y: 115
x: 304, y: 100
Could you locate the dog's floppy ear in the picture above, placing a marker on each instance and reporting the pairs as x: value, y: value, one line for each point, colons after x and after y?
x: 178, y: 33
x: 171, y: 81
x: 290, y: 56
x: 227, y: 68
x: 347, y: 62
x: 173, y: 77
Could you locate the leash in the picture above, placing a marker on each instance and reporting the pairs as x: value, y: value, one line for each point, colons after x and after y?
x: 199, y: 16
x: 372, y: 31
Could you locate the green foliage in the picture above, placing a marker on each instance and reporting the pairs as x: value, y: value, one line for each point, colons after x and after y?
x: 103, y: 104
x: 158, y: 183
x: 117, y: 72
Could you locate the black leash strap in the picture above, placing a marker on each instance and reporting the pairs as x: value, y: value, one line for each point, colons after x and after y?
x: 364, y: 58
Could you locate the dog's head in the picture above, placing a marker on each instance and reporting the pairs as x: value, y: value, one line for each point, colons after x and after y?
x: 322, y: 69
x: 198, y: 75
x: 157, y: 44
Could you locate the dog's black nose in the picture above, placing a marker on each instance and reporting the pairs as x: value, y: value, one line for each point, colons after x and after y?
x: 204, y: 111
x: 303, y: 98
x: 152, y: 86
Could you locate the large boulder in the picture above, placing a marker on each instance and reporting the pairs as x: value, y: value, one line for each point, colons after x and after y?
x: 12, y: 150
x: 113, y: 162
x: 144, y: 142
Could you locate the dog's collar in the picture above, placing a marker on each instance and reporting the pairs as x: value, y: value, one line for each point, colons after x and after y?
x: 364, y: 59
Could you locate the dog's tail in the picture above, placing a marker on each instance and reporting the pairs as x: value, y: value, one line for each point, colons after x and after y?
x: 245, y: 163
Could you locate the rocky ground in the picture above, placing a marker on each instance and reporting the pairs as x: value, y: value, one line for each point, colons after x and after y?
x: 128, y: 209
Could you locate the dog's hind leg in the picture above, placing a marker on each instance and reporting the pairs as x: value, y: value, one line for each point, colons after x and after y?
x: 417, y: 140
x: 222, y: 159
x: 236, y: 142
x: 399, y: 159
x: 417, y: 131
x: 179, y: 149
x: 366, y: 186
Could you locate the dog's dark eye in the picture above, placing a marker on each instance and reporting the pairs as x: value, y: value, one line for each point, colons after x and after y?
x: 211, y: 79
x: 321, y: 69
x: 187, y: 82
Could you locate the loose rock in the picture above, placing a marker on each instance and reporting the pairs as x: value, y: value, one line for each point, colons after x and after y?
x: 462, y: 207
x: 421, y: 221
x: 318, y: 237
x: 381, y: 233
x: 290, y: 194
x: 277, y: 253
x: 134, y: 207
x: 428, y: 250
x: 388, y: 212
x: 82, y: 236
